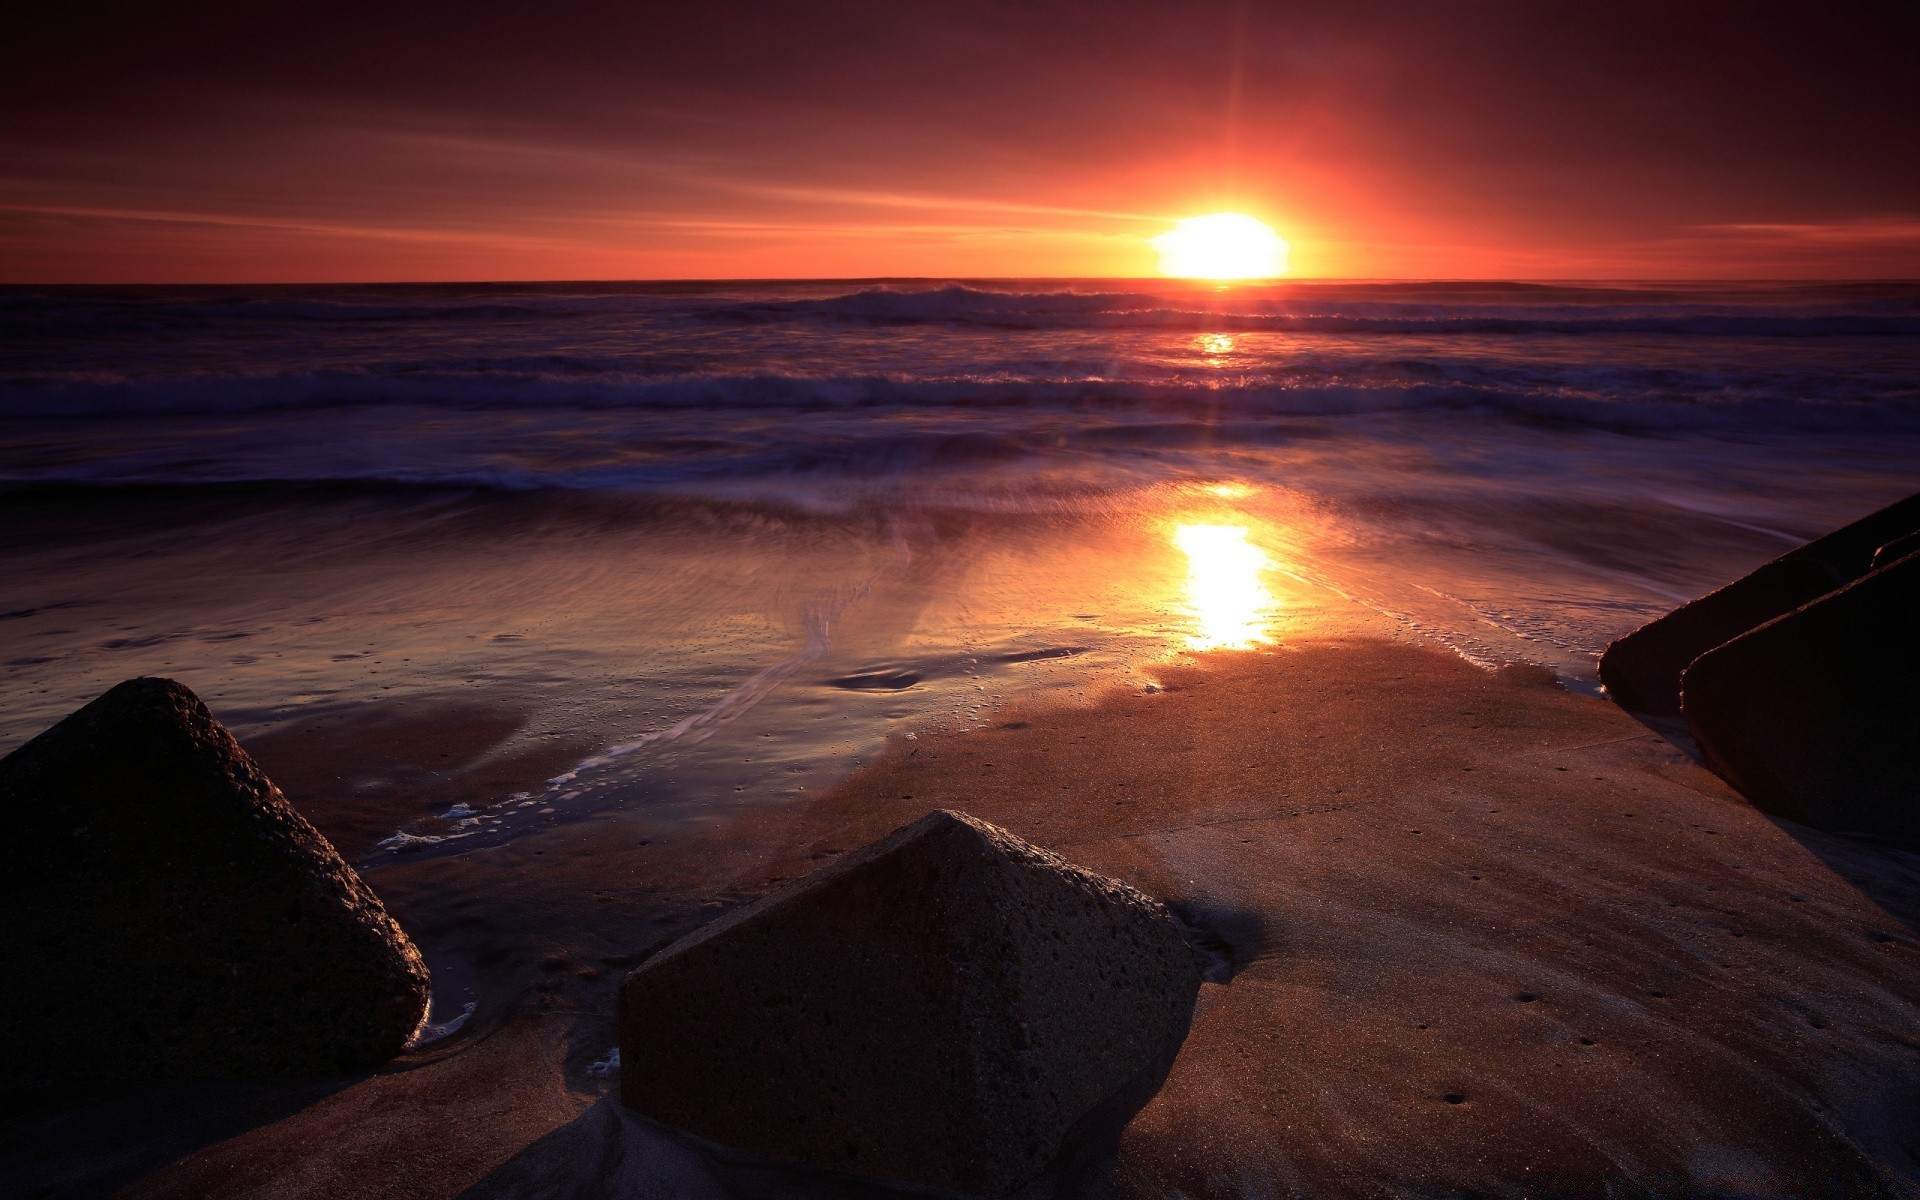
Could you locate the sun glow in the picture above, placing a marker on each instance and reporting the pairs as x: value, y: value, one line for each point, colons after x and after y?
x: 1221, y: 246
x: 1230, y: 600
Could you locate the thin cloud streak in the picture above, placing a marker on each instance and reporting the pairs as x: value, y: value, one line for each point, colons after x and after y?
x: 1390, y: 139
x: 1890, y: 231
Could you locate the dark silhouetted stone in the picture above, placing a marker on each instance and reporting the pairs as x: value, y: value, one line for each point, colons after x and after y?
x: 164, y: 912
x: 940, y: 1008
x: 1896, y: 550
x: 1815, y: 716
x: 1642, y: 670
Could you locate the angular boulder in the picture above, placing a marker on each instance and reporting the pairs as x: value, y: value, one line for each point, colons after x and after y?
x: 1642, y: 670
x: 165, y: 913
x: 1896, y: 550
x: 1815, y: 716
x: 940, y: 1009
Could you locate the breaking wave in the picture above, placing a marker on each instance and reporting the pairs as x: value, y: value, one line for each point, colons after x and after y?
x: 706, y: 385
x: 1600, y: 397
x: 1575, y: 312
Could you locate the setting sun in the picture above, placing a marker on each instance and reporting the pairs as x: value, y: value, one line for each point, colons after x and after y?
x: 1221, y: 246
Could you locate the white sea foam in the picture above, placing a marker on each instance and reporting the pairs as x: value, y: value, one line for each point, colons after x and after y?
x: 608, y: 1066
x: 429, y: 1032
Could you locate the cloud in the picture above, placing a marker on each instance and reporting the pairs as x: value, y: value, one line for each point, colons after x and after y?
x: 1381, y: 137
x: 1903, y: 231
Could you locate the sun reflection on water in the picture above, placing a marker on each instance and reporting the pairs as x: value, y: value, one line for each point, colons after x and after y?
x: 1226, y: 587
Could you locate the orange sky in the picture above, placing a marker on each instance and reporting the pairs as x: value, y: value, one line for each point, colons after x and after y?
x: 1382, y: 139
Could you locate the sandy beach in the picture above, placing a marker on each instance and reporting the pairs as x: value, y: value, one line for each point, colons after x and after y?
x: 1475, y: 935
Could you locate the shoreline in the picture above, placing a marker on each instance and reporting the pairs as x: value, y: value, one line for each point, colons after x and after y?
x: 1478, y: 930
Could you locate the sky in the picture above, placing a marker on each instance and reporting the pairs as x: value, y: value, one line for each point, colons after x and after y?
x: 299, y: 141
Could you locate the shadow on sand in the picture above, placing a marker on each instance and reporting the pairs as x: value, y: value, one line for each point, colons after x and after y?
x: 611, y: 1153
x: 1886, y: 871
x: 91, y: 1142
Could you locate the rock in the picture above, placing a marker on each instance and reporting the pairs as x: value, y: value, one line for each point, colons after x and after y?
x: 1895, y: 550
x: 1642, y: 670
x: 938, y: 1009
x: 167, y: 914
x: 1815, y: 716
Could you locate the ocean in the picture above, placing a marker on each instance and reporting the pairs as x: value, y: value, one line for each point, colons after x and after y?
x: 720, y: 541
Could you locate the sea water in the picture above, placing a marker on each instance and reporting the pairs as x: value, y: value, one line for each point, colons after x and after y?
x: 730, y: 537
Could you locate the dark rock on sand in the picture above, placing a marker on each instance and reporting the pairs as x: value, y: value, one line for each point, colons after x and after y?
x: 1896, y: 550
x: 1642, y: 670
x: 1815, y: 716
x: 166, y: 912
x: 940, y: 1008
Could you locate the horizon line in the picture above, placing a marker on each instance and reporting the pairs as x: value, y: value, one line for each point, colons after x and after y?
x: 1220, y: 284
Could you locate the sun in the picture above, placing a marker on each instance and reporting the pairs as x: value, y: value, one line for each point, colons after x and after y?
x: 1221, y: 246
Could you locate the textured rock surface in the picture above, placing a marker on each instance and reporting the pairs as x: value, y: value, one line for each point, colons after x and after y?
x: 1815, y: 716
x: 166, y: 912
x: 939, y: 1008
x: 1642, y: 670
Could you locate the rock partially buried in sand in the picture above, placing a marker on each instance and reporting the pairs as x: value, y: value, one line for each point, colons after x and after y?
x: 1815, y: 716
x: 168, y: 914
x: 1642, y: 670
x: 940, y: 1009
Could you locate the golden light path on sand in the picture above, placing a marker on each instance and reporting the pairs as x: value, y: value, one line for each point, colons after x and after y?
x: 1227, y: 592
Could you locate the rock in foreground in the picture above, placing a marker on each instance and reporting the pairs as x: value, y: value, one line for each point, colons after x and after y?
x: 1642, y: 670
x: 940, y: 1008
x: 167, y: 914
x: 1815, y: 716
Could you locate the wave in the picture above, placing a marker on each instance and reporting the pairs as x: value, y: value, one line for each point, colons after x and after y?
x: 1592, y: 396
x: 705, y: 387
x: 1594, y: 393
x: 686, y: 421
x: 1232, y: 312
x: 1799, y: 310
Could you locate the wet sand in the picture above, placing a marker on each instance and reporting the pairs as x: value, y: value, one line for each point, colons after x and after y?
x: 1475, y: 935
x: 361, y: 773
